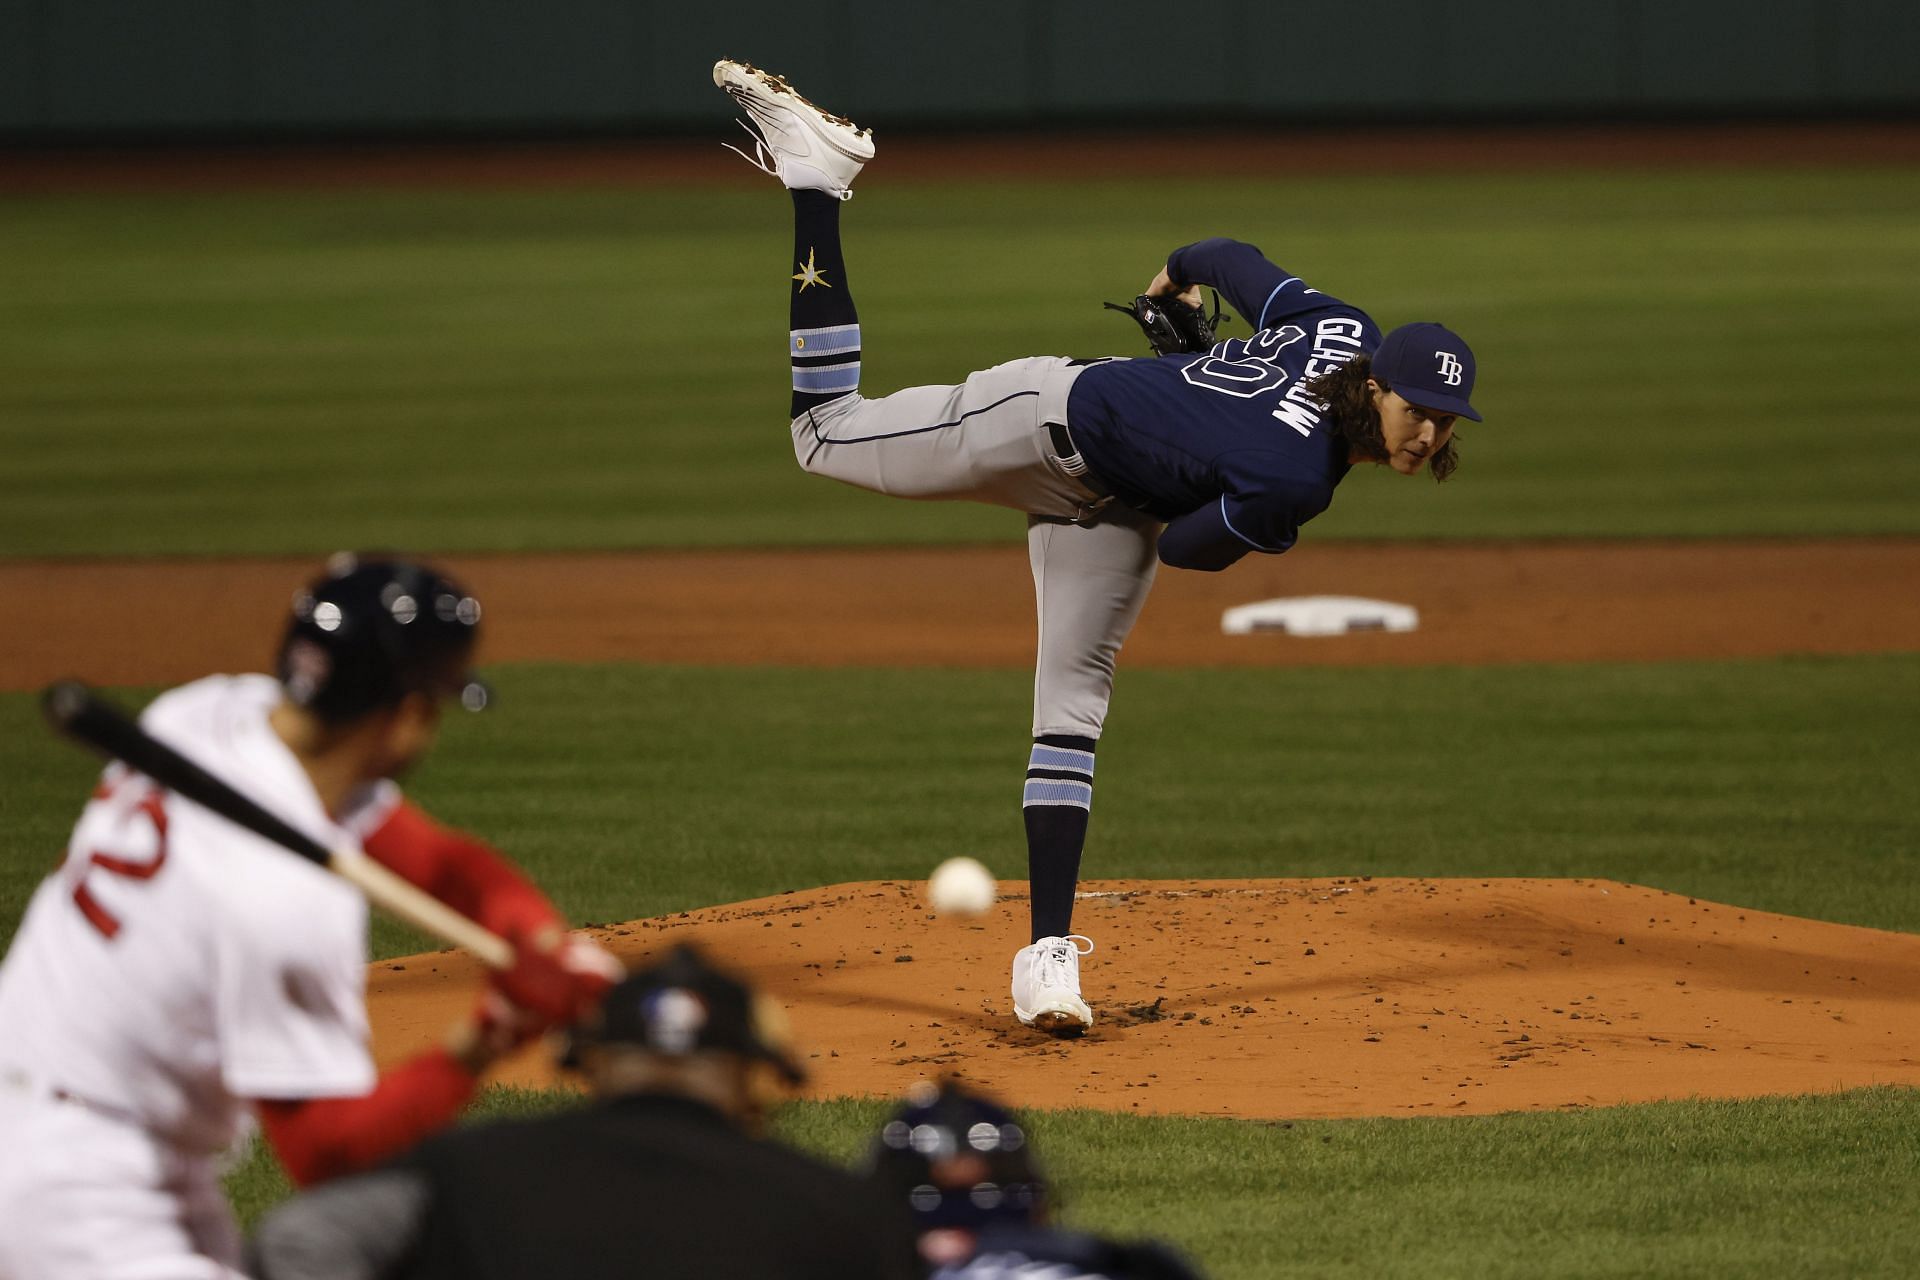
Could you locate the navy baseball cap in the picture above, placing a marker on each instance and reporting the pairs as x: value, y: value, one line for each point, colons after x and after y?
x: 1429, y: 365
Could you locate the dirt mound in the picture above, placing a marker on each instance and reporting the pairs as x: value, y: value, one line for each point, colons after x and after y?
x: 1280, y: 998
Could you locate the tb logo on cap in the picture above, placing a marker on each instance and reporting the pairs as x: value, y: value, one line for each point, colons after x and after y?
x: 1429, y: 365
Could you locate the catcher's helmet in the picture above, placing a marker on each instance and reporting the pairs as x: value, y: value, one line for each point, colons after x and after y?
x: 958, y: 1160
x: 370, y: 632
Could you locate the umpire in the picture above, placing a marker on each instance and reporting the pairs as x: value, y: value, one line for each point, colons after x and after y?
x: 664, y: 1174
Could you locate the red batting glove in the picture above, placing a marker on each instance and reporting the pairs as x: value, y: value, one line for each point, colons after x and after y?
x: 498, y: 1027
x: 556, y: 977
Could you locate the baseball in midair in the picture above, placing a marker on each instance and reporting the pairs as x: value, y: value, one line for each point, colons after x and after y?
x: 961, y: 887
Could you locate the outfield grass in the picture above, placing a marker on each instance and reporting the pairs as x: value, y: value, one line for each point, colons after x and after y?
x: 1672, y: 353
x: 1818, y: 1186
x: 631, y: 791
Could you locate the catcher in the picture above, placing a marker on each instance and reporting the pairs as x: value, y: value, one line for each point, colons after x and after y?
x: 982, y: 1209
x: 1213, y: 451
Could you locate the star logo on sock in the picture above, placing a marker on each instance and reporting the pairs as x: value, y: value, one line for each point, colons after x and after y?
x: 807, y: 275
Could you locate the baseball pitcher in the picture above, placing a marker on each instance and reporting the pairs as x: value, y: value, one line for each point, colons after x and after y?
x: 1195, y: 459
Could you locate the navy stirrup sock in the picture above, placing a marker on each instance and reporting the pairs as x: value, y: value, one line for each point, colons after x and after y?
x: 825, y: 340
x: 1056, y: 804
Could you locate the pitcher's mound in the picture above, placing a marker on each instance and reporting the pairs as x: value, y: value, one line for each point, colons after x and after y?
x: 1279, y: 998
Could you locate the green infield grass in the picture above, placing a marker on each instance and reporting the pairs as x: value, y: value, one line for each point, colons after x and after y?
x: 1721, y: 352
x: 633, y: 791
x: 1815, y: 1186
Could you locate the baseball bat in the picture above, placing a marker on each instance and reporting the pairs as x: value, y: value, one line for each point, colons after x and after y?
x: 83, y: 715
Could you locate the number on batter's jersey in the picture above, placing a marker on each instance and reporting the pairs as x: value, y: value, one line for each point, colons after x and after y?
x: 124, y: 833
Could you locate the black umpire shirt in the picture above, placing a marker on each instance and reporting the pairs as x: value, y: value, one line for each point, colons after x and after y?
x: 642, y: 1185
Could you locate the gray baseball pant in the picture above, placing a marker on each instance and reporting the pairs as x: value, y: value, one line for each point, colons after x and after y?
x: 986, y: 440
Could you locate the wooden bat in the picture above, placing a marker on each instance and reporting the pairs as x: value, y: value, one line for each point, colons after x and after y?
x: 78, y: 712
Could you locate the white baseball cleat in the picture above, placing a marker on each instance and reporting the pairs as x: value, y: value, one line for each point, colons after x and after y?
x: 795, y: 141
x: 1046, y: 985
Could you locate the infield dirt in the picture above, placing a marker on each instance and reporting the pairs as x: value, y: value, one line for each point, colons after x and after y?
x: 161, y: 621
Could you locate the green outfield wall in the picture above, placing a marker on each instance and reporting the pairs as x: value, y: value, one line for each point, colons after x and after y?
x: 75, y: 70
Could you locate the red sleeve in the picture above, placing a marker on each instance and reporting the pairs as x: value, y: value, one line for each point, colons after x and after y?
x: 321, y: 1138
x: 461, y: 872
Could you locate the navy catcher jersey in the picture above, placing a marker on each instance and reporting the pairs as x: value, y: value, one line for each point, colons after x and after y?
x: 1013, y: 1252
x: 1226, y: 446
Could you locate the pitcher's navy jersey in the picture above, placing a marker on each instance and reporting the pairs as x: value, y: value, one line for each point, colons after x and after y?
x: 1226, y: 446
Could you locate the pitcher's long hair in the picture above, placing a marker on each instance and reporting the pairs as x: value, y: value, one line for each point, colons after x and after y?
x: 1351, y: 414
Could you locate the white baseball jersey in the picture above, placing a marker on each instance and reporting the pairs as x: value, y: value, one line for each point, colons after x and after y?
x: 176, y: 964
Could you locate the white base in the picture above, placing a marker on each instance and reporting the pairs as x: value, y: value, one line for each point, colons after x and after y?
x: 1319, y: 616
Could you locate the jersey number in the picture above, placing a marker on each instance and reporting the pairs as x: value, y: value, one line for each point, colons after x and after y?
x: 1244, y: 367
x: 137, y: 843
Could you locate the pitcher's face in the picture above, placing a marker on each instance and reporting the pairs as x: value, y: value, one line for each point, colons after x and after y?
x: 1411, y: 434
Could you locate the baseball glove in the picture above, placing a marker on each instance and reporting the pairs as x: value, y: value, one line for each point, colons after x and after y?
x: 1173, y: 326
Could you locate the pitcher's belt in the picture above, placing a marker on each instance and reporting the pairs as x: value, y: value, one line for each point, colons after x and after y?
x: 1072, y: 463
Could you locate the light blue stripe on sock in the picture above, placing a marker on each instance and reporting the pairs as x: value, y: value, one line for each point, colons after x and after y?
x: 836, y: 340
x: 1045, y: 757
x: 1057, y: 791
x: 827, y: 378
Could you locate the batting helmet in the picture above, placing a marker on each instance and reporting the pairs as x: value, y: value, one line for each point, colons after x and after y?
x: 370, y: 632
x: 959, y: 1161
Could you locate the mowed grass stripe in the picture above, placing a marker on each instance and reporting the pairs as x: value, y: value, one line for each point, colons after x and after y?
x: 1763, y: 1187
x: 633, y: 791
x: 1671, y: 353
